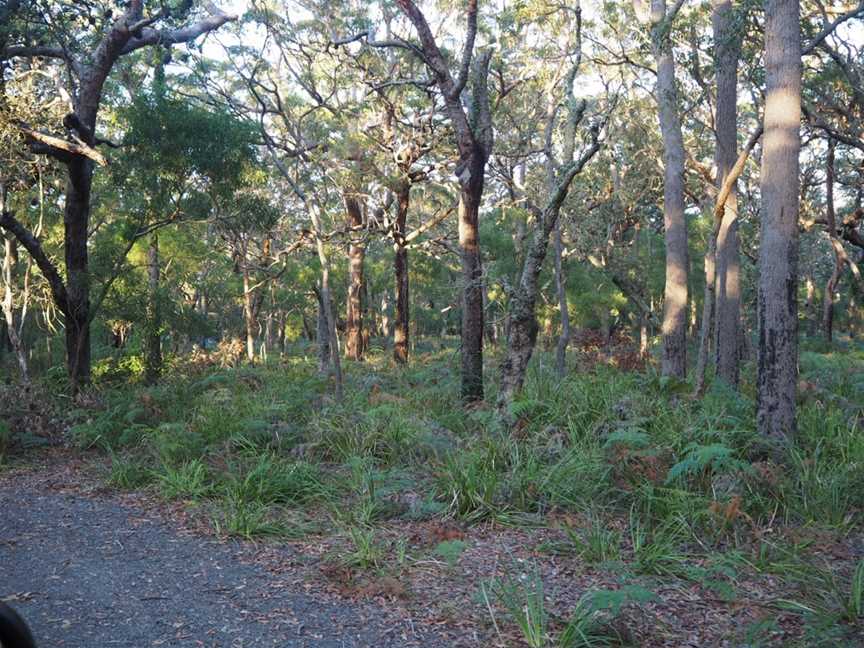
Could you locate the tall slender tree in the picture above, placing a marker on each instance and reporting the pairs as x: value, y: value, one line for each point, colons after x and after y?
x: 777, y: 368
x: 660, y: 19
x: 474, y: 139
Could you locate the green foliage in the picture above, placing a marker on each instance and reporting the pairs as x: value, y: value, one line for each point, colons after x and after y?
x: 450, y: 551
x: 525, y: 602
x: 269, y: 480
x: 590, y: 621
x: 129, y: 473
x: 366, y: 552
x: 595, y: 542
x: 701, y: 459
x: 188, y: 480
x: 523, y: 599
x: 5, y: 439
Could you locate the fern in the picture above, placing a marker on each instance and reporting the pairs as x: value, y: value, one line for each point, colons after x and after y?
x: 633, y: 437
x: 700, y: 458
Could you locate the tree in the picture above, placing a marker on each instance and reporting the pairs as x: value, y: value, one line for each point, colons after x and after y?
x: 89, y: 63
x: 521, y: 315
x: 777, y: 361
x: 726, y: 25
x: 661, y: 19
x: 474, y: 139
x: 355, y: 345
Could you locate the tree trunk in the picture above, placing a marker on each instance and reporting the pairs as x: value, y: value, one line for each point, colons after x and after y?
x: 810, y: 304
x: 153, y: 329
x: 354, y: 344
x: 327, y: 312
x: 643, y: 335
x: 707, y: 314
x: 248, y: 306
x: 76, y: 223
x: 727, y: 44
x: 839, y: 252
x: 10, y: 328
x: 675, y: 293
x: 400, y: 267
x: 777, y: 363
x: 322, y: 335
x: 560, y: 288
x: 472, y: 277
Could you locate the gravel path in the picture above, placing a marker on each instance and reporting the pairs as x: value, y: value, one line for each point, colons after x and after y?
x: 91, y: 572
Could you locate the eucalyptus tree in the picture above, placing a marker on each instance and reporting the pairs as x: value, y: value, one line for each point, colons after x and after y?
x: 777, y: 363
x: 562, y: 165
x: 87, y: 39
x: 473, y: 134
x: 660, y: 19
x: 727, y: 21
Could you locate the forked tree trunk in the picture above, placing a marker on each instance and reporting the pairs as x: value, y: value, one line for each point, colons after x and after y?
x: 354, y: 341
x: 92, y: 70
x: 400, y: 268
x: 153, y: 326
x: 474, y: 140
x: 777, y: 363
x: 727, y: 44
x: 675, y: 225
x: 522, y: 318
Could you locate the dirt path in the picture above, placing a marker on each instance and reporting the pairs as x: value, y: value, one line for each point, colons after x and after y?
x: 91, y: 572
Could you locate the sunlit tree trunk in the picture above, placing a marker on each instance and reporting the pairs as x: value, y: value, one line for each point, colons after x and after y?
x: 472, y: 290
x: 777, y: 360
x: 675, y: 293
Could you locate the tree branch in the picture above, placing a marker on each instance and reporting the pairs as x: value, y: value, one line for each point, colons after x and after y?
x: 830, y: 27
x: 32, y: 245
x: 183, y: 35
x: 59, y: 148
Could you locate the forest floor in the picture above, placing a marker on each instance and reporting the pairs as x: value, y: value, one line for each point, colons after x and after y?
x: 87, y: 568
x: 618, y: 511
